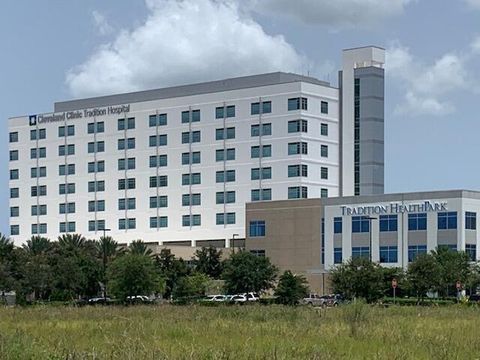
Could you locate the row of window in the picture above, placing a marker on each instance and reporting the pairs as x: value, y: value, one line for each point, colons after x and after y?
x: 416, y: 222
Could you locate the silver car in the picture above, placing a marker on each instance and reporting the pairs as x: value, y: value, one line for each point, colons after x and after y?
x: 313, y: 300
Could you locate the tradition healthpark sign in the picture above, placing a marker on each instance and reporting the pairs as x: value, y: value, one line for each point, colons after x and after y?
x: 394, y: 208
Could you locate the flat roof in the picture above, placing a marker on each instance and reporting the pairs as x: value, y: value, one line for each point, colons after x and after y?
x: 187, y: 90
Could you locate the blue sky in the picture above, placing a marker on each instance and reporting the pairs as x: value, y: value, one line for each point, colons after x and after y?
x: 56, y: 50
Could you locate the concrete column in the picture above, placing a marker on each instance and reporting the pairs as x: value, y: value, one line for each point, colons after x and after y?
x: 461, y: 227
x: 432, y: 230
x: 346, y: 237
x: 375, y: 233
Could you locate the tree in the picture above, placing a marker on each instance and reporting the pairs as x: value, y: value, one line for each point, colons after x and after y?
x: 454, y: 266
x: 37, y: 245
x: 208, y: 261
x: 107, y: 249
x: 138, y: 247
x: 132, y: 275
x: 358, y: 277
x: 71, y: 242
x: 191, y: 286
x: 171, y: 269
x: 7, y: 260
x: 291, y: 288
x: 424, y: 275
x: 245, y: 272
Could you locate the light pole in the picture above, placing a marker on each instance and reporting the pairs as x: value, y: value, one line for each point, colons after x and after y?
x: 370, y: 218
x: 233, y: 242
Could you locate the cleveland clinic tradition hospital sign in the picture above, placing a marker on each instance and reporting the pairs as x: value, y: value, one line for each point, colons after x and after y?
x: 79, y: 114
x: 394, y: 208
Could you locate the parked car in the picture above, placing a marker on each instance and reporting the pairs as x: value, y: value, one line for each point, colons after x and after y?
x: 332, y: 300
x: 215, y: 298
x: 245, y: 297
x: 313, y: 300
x: 474, y: 298
x: 99, y: 301
x: 138, y: 299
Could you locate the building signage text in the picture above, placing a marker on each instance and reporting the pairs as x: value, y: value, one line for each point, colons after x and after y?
x: 79, y: 114
x: 394, y: 208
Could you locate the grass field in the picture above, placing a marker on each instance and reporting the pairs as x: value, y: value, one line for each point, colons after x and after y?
x: 239, y: 332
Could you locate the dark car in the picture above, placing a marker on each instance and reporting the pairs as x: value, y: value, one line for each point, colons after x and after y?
x: 474, y: 298
x: 99, y: 301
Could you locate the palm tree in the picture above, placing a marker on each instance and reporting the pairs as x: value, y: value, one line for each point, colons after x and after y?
x: 71, y: 241
x: 107, y: 249
x: 138, y: 247
x: 37, y: 245
x: 6, y: 246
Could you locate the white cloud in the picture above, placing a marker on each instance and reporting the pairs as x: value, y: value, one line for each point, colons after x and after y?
x: 475, y: 45
x: 183, y: 42
x: 474, y: 3
x: 101, y: 23
x: 426, y: 86
x: 334, y: 13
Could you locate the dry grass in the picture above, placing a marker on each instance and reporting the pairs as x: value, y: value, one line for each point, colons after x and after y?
x: 239, y: 332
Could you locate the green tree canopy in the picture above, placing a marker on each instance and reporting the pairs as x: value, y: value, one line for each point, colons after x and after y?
x: 424, y: 275
x: 291, y: 288
x: 138, y: 247
x: 171, y: 269
x: 207, y: 260
x: 191, y: 286
x: 454, y: 266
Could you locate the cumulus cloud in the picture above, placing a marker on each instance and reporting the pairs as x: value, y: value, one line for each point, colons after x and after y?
x: 334, y: 13
x: 426, y: 85
x: 183, y: 42
x: 475, y: 45
x: 101, y: 23
x: 474, y: 3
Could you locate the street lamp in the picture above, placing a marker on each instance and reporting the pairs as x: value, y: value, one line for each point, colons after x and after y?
x: 370, y: 218
x: 233, y: 242
x: 105, y: 230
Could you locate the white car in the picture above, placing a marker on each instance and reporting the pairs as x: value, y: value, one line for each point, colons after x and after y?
x: 245, y: 297
x: 215, y: 298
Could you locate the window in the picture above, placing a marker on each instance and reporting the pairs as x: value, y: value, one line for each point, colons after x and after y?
x: 65, y: 227
x: 158, y: 140
x: 191, y: 200
x: 125, y: 224
x: 66, y: 208
x: 225, y: 133
x: 227, y: 197
x: 324, y: 150
x: 190, y: 116
x: 14, y: 230
x: 324, y: 107
x: 297, y: 192
x: 263, y: 173
x: 98, y: 225
x: 266, y: 130
x: 157, y: 120
x: 158, y: 181
x: 38, y: 190
x: 13, y: 136
x: 323, y: 193
x: 126, y: 164
x: 259, y: 253
x: 388, y: 254
x: 225, y: 176
x: 324, y: 173
x: 261, y: 194
x: 37, y: 210
x: 14, y: 155
x: 297, y: 148
x: 14, y: 211
x: 126, y: 143
x: 296, y: 126
x: 447, y: 220
x: 191, y: 179
x: 66, y: 188
x: 66, y: 150
x: 124, y: 184
x: 471, y: 250
x: 257, y: 228
x: 38, y: 153
x: 98, y: 205
x: 417, y: 222
x: 14, y: 193
x: 39, y: 229
x: 266, y: 151
x: 37, y: 172
x: 124, y: 124
x: 158, y: 222
x: 158, y: 161
x: 191, y: 220
x: 361, y: 251
x: 388, y: 223
x: 470, y: 220
x: 297, y: 104
x: 14, y: 173
x: 225, y: 112
x: 98, y: 146
x: 337, y: 255
x: 324, y: 129
x: 225, y: 155
x: 265, y: 106
x: 127, y: 204
x: 190, y: 137
x: 193, y: 158
x: 66, y: 130
x: 38, y: 134
x: 415, y: 250
x: 225, y: 218
x: 158, y: 202
x: 360, y: 224
x: 96, y: 166
x: 96, y: 127
x: 337, y: 225
x: 96, y: 186
x: 297, y: 170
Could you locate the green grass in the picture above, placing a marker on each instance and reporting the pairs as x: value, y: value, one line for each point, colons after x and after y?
x: 239, y: 332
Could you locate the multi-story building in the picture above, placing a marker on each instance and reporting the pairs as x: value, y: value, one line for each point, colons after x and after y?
x: 177, y: 165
